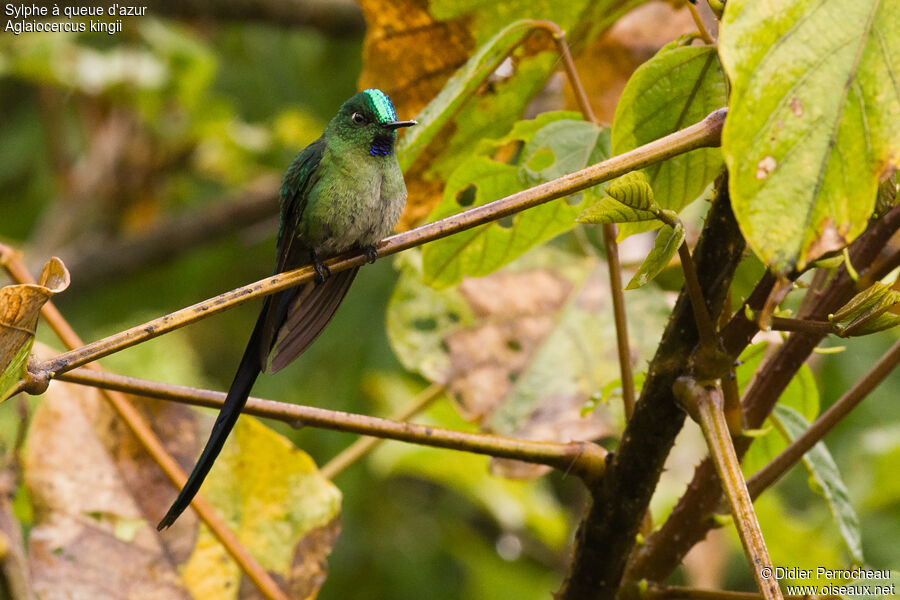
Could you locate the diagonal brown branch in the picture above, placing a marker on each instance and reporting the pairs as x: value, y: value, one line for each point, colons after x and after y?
x: 707, y: 405
x: 705, y: 133
x: 777, y: 467
x: 135, y: 423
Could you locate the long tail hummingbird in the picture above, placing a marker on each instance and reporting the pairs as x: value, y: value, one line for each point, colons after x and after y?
x: 344, y: 191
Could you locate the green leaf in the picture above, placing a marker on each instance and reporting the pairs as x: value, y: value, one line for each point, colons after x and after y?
x: 873, y: 324
x: 561, y: 148
x: 812, y: 122
x: 567, y: 145
x: 828, y: 481
x: 15, y: 370
x: 867, y: 312
x: 667, y: 242
x: 633, y: 190
x: 609, y: 210
x: 418, y: 53
x: 678, y: 87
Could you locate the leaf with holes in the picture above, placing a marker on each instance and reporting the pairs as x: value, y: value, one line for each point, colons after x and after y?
x: 667, y: 242
x: 560, y: 146
x: 813, y: 120
x: 828, y: 481
x: 678, y: 87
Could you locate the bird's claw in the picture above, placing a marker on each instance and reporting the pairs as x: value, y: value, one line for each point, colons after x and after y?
x: 322, y: 270
x: 371, y: 253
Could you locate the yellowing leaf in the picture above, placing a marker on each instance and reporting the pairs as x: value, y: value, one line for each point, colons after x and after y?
x: 20, y: 308
x: 274, y: 498
x: 813, y: 120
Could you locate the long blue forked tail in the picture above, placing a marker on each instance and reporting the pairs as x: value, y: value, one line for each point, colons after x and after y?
x: 246, y: 375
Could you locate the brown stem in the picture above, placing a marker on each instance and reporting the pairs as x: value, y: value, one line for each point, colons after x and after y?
x: 584, y: 459
x: 618, y: 301
x: 704, y: 133
x: 777, y: 467
x: 705, y: 326
x: 559, y: 38
x: 366, y: 444
x: 701, y: 28
x: 154, y: 447
x: 708, y: 403
x: 807, y: 326
x: 609, y: 234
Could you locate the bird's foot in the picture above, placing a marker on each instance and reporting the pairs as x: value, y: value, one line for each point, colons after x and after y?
x: 322, y: 270
x: 371, y: 253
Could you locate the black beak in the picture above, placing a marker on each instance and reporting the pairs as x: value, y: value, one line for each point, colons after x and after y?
x: 398, y: 124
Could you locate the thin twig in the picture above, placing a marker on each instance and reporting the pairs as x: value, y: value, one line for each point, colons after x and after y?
x: 779, y: 465
x: 618, y: 302
x: 609, y: 234
x: 706, y: 404
x: 559, y: 38
x: 702, y: 134
x: 804, y: 325
x: 366, y: 444
x: 706, y: 329
x: 151, y: 443
x: 701, y: 28
x: 584, y: 459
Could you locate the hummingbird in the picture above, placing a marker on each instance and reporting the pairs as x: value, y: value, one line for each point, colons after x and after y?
x: 344, y: 191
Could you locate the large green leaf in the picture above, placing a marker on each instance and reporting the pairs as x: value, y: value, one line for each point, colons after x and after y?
x: 814, y: 120
x: 676, y: 88
x: 827, y: 479
x: 559, y: 147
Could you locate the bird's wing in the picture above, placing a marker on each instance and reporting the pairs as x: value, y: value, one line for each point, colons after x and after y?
x: 299, y: 179
x: 311, y: 308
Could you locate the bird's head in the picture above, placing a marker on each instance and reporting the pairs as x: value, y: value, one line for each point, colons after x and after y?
x: 369, y: 120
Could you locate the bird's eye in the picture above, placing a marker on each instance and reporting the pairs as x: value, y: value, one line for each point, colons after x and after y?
x: 359, y: 118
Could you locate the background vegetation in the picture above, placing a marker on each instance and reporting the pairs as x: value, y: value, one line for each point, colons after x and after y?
x: 149, y: 161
